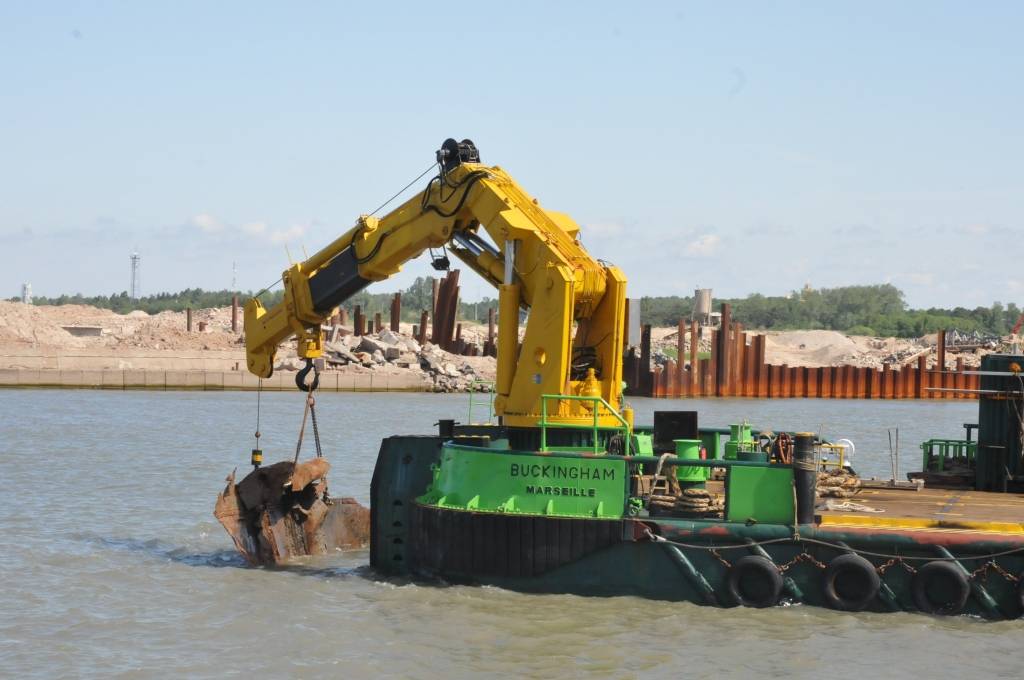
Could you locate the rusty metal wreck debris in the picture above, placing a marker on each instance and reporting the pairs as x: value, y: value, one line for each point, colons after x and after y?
x: 281, y: 511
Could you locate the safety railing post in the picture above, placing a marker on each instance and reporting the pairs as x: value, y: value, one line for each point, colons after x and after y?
x: 543, y: 423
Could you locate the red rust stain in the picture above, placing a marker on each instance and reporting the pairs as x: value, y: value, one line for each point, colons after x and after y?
x: 714, y: 531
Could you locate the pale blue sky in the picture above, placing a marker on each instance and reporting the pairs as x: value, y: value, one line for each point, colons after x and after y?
x: 743, y: 146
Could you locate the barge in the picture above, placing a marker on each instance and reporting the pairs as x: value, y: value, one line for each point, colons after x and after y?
x: 569, y: 510
x: 565, y: 494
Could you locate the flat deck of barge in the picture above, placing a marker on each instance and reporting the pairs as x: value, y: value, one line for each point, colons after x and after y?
x: 935, y: 509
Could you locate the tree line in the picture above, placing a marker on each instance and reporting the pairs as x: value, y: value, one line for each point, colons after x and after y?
x: 879, y: 310
x: 858, y: 310
x: 416, y: 298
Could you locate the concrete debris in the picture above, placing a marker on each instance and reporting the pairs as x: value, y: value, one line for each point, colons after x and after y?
x: 371, y: 345
x: 387, y: 350
x: 340, y: 353
x: 390, y: 337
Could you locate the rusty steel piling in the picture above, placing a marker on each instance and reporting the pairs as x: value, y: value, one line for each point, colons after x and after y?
x: 738, y: 367
x: 396, y: 312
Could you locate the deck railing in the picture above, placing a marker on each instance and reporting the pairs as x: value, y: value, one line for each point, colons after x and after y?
x: 936, y: 452
x: 596, y: 404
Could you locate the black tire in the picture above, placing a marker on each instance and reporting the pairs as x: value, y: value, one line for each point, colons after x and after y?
x: 941, y: 588
x: 850, y: 583
x: 755, y: 581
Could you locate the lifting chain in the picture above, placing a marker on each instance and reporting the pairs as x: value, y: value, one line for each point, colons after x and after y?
x: 310, y: 410
x: 316, y: 430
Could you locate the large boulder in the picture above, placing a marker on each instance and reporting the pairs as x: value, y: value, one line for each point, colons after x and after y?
x: 407, y: 360
x: 430, y: 362
x: 388, y: 351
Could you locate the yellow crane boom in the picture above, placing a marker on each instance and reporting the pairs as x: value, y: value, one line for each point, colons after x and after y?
x: 573, y: 338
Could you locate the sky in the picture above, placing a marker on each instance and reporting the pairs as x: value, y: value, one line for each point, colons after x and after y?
x: 747, y: 147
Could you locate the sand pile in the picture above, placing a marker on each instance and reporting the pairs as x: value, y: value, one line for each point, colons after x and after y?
x: 811, y: 348
x: 168, y: 330
x: 27, y: 324
x: 831, y: 348
x: 45, y: 327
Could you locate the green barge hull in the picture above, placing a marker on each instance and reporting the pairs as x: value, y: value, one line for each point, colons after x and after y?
x: 593, y: 512
x: 941, y: 566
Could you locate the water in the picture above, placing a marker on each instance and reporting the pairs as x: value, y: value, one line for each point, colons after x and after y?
x: 113, y: 565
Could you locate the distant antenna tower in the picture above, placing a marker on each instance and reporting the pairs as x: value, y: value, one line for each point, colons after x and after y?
x: 26, y: 293
x: 136, y: 263
x: 234, y: 276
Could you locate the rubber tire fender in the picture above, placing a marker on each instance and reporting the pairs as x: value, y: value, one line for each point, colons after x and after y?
x: 845, y: 567
x: 758, y: 567
x: 946, y: 570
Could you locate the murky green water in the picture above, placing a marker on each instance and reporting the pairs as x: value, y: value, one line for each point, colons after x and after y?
x: 113, y: 565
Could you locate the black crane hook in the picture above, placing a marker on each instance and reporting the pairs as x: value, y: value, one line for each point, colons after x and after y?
x: 300, y: 377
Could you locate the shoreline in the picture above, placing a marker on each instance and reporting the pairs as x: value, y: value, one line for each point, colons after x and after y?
x: 237, y: 381
x: 199, y: 380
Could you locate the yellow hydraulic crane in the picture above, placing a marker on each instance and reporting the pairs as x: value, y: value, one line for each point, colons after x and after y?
x: 573, y: 338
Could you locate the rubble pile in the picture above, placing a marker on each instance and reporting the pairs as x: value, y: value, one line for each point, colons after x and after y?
x: 664, y: 346
x: 389, y: 351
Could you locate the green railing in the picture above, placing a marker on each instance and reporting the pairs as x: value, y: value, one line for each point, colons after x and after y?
x: 936, y: 452
x: 596, y: 404
x: 488, y: 400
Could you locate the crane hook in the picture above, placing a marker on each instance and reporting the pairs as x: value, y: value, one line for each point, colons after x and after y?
x: 300, y: 377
